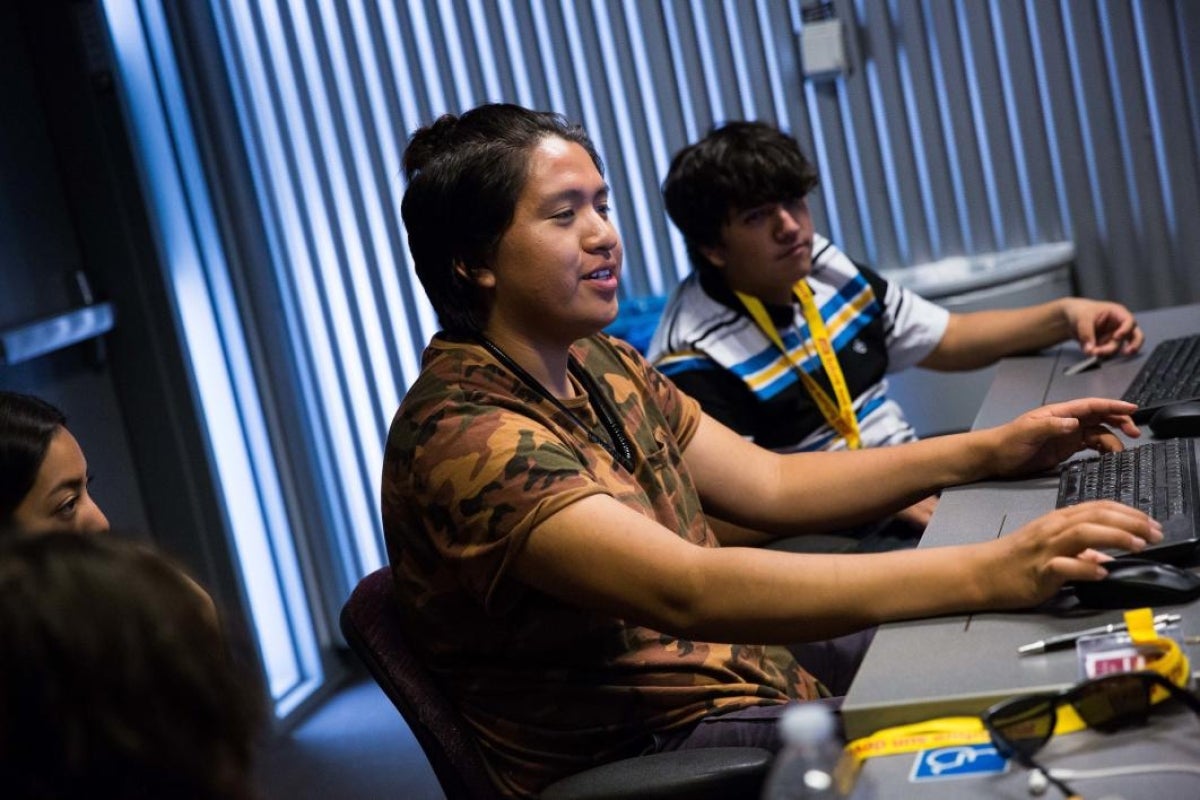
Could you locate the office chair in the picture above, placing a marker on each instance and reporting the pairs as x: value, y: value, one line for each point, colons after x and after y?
x: 372, y: 630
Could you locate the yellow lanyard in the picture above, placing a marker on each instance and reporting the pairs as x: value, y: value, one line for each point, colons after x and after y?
x: 948, y: 731
x: 839, y: 415
x: 1171, y: 661
x: 927, y: 735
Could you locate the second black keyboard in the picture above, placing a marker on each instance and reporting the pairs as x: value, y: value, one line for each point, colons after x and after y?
x: 1160, y: 478
x: 1171, y: 374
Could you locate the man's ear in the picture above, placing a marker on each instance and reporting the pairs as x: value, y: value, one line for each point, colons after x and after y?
x: 480, y: 276
x: 715, y: 255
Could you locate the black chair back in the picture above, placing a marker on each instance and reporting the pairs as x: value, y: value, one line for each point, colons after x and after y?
x: 372, y: 629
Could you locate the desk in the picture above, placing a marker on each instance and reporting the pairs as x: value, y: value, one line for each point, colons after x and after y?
x: 961, y: 664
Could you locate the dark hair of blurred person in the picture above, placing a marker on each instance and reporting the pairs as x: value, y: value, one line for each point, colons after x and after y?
x: 115, y: 678
x: 43, y: 473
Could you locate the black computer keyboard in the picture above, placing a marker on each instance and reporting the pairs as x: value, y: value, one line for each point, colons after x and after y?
x: 1170, y: 374
x: 1160, y: 478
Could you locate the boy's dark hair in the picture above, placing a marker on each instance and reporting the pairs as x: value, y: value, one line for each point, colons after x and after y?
x: 738, y: 165
x: 27, y: 424
x: 115, y: 680
x: 465, y: 175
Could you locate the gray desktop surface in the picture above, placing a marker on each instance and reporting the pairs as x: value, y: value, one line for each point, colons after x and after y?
x: 961, y: 664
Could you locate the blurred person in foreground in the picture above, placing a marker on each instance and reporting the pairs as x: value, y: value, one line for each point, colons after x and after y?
x: 115, y: 678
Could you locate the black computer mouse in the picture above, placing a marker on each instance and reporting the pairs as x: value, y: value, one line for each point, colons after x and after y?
x: 1137, y: 582
x: 1176, y: 419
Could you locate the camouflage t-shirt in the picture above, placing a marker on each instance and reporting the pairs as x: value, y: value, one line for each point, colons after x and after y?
x: 475, y: 460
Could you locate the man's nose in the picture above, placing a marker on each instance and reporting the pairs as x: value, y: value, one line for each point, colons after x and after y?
x: 604, y: 235
x: 786, y: 223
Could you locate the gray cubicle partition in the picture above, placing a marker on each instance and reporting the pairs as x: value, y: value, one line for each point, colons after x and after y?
x: 938, y: 402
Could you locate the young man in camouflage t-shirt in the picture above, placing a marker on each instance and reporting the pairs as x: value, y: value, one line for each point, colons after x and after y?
x: 473, y: 464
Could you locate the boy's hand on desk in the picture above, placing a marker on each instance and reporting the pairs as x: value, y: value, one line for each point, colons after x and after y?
x: 918, y: 514
x: 1042, y: 438
x: 1037, y: 559
x: 1103, y: 328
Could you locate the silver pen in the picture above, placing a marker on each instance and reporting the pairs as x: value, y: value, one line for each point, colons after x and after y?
x: 1068, y: 639
x: 1094, y: 361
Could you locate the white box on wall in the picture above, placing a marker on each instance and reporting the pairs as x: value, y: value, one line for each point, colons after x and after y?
x: 823, y: 48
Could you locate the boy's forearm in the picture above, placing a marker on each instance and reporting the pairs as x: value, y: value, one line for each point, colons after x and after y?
x: 841, y: 593
x: 979, y: 338
x: 833, y: 490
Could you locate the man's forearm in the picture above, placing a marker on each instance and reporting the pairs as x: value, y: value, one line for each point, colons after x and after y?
x: 979, y: 338
x: 835, y: 490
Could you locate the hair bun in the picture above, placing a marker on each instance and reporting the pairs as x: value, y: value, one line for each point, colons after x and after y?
x: 429, y: 142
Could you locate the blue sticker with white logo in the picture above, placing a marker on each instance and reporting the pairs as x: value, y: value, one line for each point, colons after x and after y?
x: 957, y: 761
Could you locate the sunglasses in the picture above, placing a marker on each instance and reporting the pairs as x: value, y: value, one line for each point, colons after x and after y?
x: 1021, y: 726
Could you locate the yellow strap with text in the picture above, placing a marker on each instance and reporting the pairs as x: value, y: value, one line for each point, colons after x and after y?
x: 839, y: 415
x: 941, y: 732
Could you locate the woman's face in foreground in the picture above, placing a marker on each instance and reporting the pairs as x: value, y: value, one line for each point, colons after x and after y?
x: 59, y: 498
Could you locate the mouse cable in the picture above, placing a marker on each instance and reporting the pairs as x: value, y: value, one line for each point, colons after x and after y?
x: 1038, y: 784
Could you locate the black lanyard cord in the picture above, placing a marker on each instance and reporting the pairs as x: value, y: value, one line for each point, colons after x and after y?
x: 619, y: 447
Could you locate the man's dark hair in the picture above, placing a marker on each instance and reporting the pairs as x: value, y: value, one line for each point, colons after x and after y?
x: 27, y: 424
x: 115, y: 679
x: 465, y: 176
x: 738, y: 165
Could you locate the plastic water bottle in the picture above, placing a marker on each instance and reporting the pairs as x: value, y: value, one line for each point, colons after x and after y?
x: 806, y: 766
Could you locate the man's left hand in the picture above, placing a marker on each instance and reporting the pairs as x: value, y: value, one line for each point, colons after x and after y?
x: 1103, y: 328
x: 1041, y: 438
